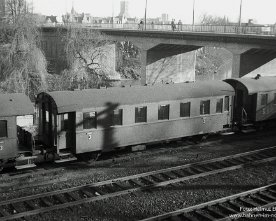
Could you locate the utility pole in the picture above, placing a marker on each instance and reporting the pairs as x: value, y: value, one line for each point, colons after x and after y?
x: 146, y: 14
x: 193, y: 12
x: 240, y: 13
x: 112, y: 13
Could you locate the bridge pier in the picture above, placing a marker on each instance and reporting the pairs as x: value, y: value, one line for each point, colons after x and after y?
x: 236, y: 65
x: 143, y: 59
x: 167, y: 63
x: 248, y: 61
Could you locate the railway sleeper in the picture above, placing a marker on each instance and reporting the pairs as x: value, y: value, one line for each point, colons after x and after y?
x: 157, y: 178
x: 205, y: 169
x: 46, y: 202
x: 258, y: 199
x: 196, y: 170
x: 249, y: 202
x: 167, y: 176
x: 248, y: 158
x: 239, y: 160
x: 272, y: 191
x: 212, y: 213
x: 3, y: 212
x: 175, y: 218
x: 87, y: 193
x: 25, y: 218
x: 236, y: 205
x: 224, y: 164
x: 226, y: 209
x: 146, y: 181
x: 119, y: 186
x: 177, y: 174
x: 267, y: 196
x: 135, y: 183
x: 216, y: 212
x: 235, y: 162
x: 188, y: 172
x: 108, y: 188
x: 264, y: 198
x: 60, y: 198
x: 18, y: 208
x: 204, y: 215
x: 187, y: 216
x: 208, y: 167
x: 214, y: 166
x: 97, y: 191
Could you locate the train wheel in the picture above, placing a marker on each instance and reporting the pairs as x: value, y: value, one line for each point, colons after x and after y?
x: 89, y: 157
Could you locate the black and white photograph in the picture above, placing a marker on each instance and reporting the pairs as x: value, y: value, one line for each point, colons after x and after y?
x: 137, y: 110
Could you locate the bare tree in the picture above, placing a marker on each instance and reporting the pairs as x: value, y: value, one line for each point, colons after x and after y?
x: 213, y: 20
x: 130, y: 62
x: 87, y: 52
x: 22, y: 63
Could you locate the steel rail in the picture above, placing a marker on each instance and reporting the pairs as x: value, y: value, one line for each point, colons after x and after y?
x: 226, y: 208
x: 49, y: 201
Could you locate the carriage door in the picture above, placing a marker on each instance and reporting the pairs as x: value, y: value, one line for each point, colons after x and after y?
x: 67, y: 131
x: 250, y: 106
x: 239, y: 105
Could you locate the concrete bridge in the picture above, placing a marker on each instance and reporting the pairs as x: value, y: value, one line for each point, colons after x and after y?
x: 250, y: 50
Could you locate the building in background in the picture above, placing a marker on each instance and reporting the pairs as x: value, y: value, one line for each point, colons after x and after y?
x: 123, y: 15
x: 74, y: 17
x: 124, y: 9
x: 165, y: 18
x: 2, y: 9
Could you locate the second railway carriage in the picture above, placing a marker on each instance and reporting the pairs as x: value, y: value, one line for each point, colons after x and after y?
x: 103, y: 119
x: 14, y: 141
x: 255, y: 99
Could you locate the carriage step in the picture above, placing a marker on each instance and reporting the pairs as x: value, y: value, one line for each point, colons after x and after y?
x: 64, y: 154
x: 250, y: 130
x: 65, y: 157
x: 26, y: 166
x: 25, y: 162
x: 247, y: 125
x: 63, y: 160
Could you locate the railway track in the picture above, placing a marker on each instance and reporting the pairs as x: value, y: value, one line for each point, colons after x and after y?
x: 257, y: 203
x: 13, y: 181
x: 49, y: 201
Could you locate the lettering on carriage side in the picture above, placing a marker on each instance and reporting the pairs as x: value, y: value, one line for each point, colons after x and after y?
x: 89, y: 136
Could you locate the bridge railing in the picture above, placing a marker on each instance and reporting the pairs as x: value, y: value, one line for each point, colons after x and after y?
x: 227, y: 29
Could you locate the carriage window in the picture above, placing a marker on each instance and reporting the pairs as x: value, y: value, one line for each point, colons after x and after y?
x: 204, y: 107
x: 90, y: 120
x: 226, y: 103
x: 185, y: 109
x: 117, y: 118
x: 64, y: 121
x: 3, y: 128
x: 163, y: 112
x: 219, y: 105
x: 140, y: 114
x: 274, y: 101
x: 264, y: 99
x: 47, y: 116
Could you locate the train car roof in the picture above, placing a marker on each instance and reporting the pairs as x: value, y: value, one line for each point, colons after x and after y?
x: 68, y: 101
x: 255, y: 85
x: 15, y: 105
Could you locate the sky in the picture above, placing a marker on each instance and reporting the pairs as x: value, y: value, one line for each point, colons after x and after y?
x: 262, y: 11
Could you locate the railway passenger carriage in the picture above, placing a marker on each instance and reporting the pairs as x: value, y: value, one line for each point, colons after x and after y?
x: 14, y: 141
x: 85, y: 122
x: 255, y: 100
x: 105, y: 119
